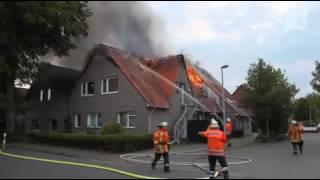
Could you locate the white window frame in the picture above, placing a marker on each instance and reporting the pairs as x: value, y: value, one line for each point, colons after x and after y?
x: 129, y: 114
x: 49, y: 94
x: 86, y: 88
x: 77, y: 123
x: 183, y: 86
x: 41, y: 95
x: 107, y: 86
x: 96, y: 123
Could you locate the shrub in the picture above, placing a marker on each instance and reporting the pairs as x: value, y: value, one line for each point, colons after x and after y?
x: 112, y: 128
x: 111, y: 143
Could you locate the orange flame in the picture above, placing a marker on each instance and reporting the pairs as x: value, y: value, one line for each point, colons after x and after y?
x: 194, y: 77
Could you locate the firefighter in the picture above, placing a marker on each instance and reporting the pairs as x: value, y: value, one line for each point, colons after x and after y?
x: 229, y: 131
x: 216, y: 148
x: 294, y: 133
x: 161, y: 146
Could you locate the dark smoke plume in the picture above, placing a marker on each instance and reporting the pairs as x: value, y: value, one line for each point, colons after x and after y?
x: 129, y: 26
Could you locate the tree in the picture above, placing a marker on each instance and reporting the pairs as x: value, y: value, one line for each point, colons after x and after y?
x: 270, y: 96
x: 301, y: 109
x: 306, y: 105
x: 30, y: 30
x: 315, y: 83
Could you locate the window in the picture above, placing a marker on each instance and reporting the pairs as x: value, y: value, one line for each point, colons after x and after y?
x: 53, y: 124
x: 49, y: 94
x: 77, y: 122
x: 94, y: 120
x: 126, y: 119
x: 182, y: 87
x: 35, y: 125
x: 110, y: 85
x: 41, y: 95
x: 87, y: 89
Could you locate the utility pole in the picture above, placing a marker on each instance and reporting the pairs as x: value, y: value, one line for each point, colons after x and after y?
x: 223, y: 101
x: 310, y: 115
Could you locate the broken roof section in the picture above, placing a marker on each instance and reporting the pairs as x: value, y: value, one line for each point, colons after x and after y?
x: 216, y: 86
x: 201, y: 79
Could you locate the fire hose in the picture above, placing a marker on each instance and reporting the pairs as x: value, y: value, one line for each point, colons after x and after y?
x: 138, y: 159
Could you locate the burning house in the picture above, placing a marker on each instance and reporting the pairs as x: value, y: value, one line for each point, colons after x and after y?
x: 136, y: 92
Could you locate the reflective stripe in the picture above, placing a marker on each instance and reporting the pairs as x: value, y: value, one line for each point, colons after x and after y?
x: 216, y: 152
x: 225, y: 169
x: 213, y: 133
x: 161, y: 137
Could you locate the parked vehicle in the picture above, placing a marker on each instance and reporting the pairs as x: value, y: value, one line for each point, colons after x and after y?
x: 311, y: 128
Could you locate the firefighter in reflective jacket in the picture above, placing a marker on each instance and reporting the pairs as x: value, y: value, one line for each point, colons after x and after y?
x: 216, y: 149
x: 229, y: 131
x: 161, y: 147
x: 295, y: 135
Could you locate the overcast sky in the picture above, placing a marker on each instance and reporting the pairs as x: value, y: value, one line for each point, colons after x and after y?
x: 285, y: 34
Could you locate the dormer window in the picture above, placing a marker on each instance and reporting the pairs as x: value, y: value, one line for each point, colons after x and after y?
x: 204, y: 90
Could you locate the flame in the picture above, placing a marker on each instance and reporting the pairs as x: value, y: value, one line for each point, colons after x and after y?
x: 194, y: 77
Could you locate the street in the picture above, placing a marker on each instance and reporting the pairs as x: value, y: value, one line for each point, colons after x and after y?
x: 17, y: 169
x: 270, y: 160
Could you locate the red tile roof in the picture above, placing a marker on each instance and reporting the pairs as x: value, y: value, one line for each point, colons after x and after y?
x: 196, y: 80
x: 140, y: 76
x: 145, y: 75
x: 216, y: 87
x: 167, y: 67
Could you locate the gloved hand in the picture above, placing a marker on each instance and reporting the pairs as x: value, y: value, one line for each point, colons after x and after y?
x: 158, y: 147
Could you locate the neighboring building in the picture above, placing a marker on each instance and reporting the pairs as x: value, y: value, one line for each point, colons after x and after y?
x: 116, y: 86
x: 238, y: 96
x: 47, y: 100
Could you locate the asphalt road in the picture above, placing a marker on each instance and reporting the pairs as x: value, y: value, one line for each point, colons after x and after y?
x: 271, y: 160
x: 277, y: 160
x: 18, y: 168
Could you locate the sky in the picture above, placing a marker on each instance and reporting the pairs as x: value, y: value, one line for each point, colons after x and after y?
x: 285, y: 34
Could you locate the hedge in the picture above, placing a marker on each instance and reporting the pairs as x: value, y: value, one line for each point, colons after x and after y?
x: 110, y: 143
x: 112, y: 128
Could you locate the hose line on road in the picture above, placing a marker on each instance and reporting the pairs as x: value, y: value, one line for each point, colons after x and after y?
x: 132, y: 159
x: 125, y: 173
x: 141, y: 159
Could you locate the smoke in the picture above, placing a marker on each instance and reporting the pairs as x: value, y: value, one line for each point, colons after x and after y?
x: 129, y: 26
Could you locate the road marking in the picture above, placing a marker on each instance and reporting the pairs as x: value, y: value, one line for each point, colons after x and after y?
x: 81, y: 165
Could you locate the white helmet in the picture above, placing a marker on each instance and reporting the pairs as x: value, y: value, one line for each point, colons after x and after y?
x: 214, y: 124
x: 228, y: 120
x: 293, y: 122
x: 163, y: 124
